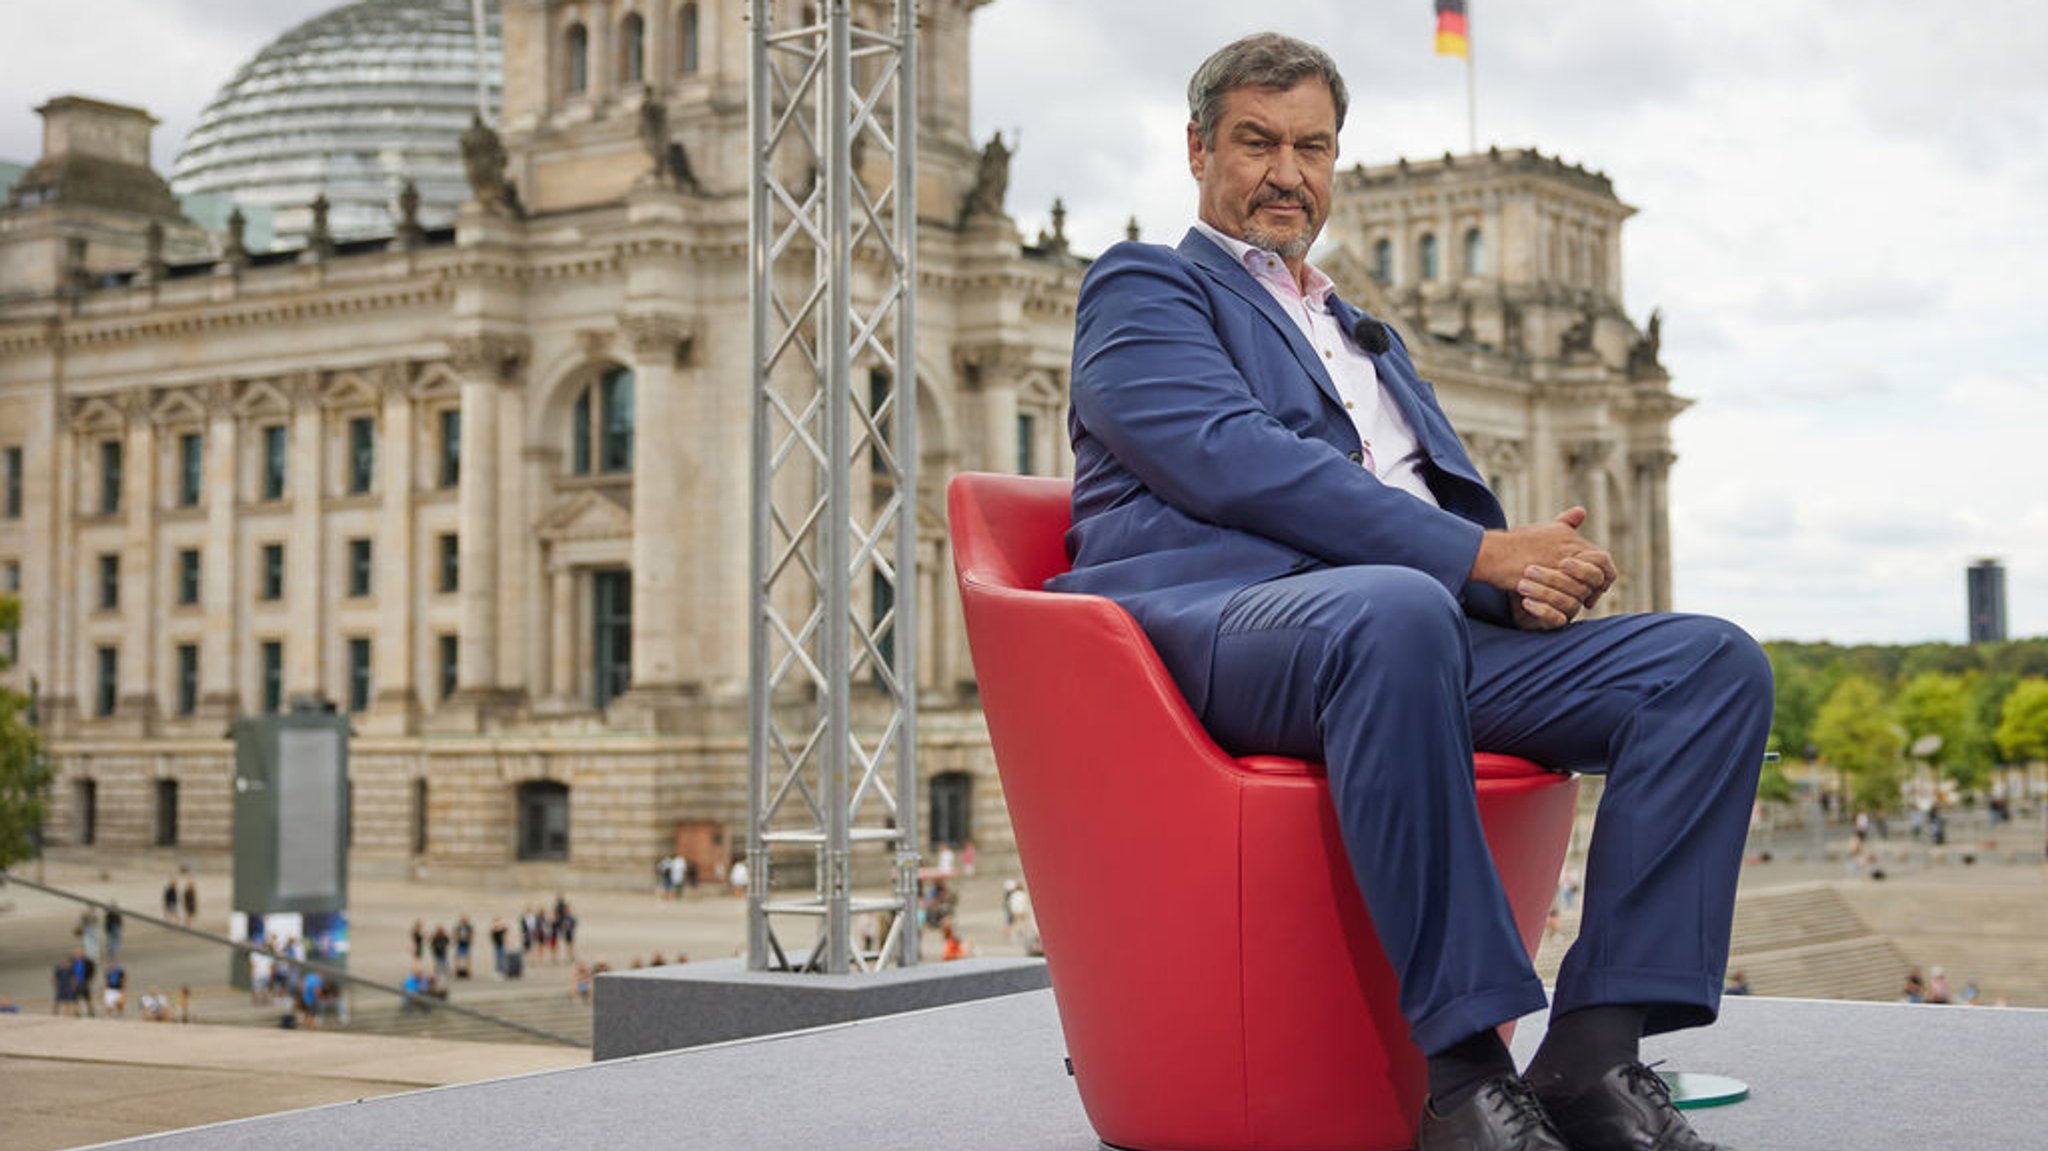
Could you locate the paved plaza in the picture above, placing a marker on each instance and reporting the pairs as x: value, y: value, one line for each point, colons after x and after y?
x: 78, y: 1082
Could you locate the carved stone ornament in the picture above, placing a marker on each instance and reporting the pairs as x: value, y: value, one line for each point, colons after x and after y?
x: 484, y: 161
x: 488, y: 356
x: 1588, y: 455
x: 657, y: 337
x: 1653, y: 461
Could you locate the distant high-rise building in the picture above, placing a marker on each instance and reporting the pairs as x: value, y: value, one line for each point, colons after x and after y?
x: 1987, y: 602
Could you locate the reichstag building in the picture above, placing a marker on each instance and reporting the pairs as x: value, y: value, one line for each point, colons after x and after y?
x: 465, y: 451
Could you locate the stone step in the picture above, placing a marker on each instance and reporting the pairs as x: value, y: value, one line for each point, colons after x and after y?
x: 1793, y: 917
x: 1870, y: 969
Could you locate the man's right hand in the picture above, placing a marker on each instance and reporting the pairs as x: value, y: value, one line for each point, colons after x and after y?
x: 1551, y: 571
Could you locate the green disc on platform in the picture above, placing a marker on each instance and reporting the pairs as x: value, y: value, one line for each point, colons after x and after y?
x: 1690, y: 1089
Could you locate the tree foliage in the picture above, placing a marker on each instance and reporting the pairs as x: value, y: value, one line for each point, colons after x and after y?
x: 1854, y: 733
x: 2023, y: 725
x: 24, y: 773
x: 1939, y: 704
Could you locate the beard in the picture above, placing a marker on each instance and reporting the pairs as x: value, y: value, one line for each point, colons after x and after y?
x: 1286, y: 245
x: 1292, y: 247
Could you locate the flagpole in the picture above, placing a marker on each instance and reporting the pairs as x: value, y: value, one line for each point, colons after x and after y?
x: 1471, y: 86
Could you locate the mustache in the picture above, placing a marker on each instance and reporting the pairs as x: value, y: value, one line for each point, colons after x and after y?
x: 1296, y: 197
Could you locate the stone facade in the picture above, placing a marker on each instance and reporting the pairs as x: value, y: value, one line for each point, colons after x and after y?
x: 486, y: 487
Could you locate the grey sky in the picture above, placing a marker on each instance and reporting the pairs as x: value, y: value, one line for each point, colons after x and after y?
x: 1840, y: 218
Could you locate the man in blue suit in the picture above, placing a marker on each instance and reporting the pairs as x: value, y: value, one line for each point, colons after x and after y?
x: 1262, y: 479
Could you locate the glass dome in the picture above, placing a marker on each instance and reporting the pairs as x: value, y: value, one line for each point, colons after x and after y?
x: 351, y: 104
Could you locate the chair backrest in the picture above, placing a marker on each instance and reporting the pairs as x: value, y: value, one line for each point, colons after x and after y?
x: 1010, y: 531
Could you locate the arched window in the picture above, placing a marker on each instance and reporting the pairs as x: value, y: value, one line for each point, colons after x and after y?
x: 686, y: 30
x: 576, y: 65
x: 1475, y: 253
x: 543, y: 820
x: 633, y: 49
x: 1383, y: 260
x: 1428, y: 253
x: 601, y: 429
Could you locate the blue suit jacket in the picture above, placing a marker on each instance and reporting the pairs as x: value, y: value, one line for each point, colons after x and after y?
x: 1211, y: 452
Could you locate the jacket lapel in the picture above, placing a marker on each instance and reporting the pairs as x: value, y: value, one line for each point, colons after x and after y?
x: 1202, y: 252
x: 1397, y: 380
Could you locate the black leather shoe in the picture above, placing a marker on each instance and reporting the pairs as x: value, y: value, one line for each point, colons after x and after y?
x: 1502, y: 1115
x: 1628, y: 1109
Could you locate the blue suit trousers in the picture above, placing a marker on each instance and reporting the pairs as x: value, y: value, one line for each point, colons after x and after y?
x: 1378, y: 673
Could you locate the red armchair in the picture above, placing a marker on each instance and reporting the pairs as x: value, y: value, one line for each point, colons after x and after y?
x: 1217, y: 979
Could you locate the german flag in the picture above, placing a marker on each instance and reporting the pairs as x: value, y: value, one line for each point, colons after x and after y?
x: 1450, y: 29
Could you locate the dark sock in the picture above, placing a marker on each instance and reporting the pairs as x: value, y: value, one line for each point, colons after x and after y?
x: 1458, y: 1070
x: 1581, y: 1046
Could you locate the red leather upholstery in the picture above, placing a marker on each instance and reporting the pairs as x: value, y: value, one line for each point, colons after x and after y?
x: 1217, y: 979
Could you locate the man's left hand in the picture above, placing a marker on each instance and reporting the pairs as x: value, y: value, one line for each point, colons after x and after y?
x: 1548, y: 598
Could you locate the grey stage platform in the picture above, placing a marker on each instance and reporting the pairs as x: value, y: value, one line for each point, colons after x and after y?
x: 987, y: 1075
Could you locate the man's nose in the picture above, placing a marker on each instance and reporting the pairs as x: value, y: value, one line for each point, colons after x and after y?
x: 1285, y: 169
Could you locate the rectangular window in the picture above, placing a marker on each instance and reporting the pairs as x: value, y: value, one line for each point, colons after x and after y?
x: 110, y: 476
x: 271, y: 660
x: 419, y: 816
x: 188, y: 678
x: 109, y: 681
x: 617, y: 447
x: 451, y: 448
x: 1027, y: 441
x: 358, y: 674
x: 359, y: 567
x: 10, y: 642
x: 579, y: 435
x: 167, y: 813
x: 191, y: 469
x: 450, y: 664
x: 110, y: 581
x: 188, y: 577
x: 362, y: 454
x: 879, y: 387
x: 276, y: 461
x: 13, y: 482
x: 611, y: 635
x: 451, y: 562
x: 273, y: 571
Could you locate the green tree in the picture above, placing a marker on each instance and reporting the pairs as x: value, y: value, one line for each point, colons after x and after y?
x: 1937, y: 704
x: 1855, y: 734
x: 2023, y: 725
x: 24, y: 774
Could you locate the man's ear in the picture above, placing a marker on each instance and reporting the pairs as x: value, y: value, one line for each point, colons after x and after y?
x: 1198, y: 156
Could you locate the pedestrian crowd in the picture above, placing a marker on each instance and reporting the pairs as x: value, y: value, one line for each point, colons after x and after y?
x: 93, y: 980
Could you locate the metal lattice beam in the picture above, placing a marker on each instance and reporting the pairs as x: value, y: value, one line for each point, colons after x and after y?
x: 834, y: 624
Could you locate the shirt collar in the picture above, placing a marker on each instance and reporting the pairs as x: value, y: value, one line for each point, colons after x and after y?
x: 1270, y: 270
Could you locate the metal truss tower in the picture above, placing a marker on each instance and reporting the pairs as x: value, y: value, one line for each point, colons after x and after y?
x: 832, y: 117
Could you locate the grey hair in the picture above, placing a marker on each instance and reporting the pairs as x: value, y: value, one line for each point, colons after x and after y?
x: 1261, y: 60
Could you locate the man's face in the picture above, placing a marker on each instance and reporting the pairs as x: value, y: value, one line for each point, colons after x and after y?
x: 1267, y: 178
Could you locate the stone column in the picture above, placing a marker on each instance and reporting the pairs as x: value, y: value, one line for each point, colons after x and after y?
x: 220, y: 594
x: 305, y: 564
x: 396, y: 706
x: 1653, y: 465
x: 562, y: 661
x: 1588, y: 462
x: 667, y: 498
x: 486, y: 363
x: 604, y: 63
x: 61, y: 696
x: 138, y: 707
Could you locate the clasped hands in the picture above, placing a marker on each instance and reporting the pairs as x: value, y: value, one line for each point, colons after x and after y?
x: 1550, y: 572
